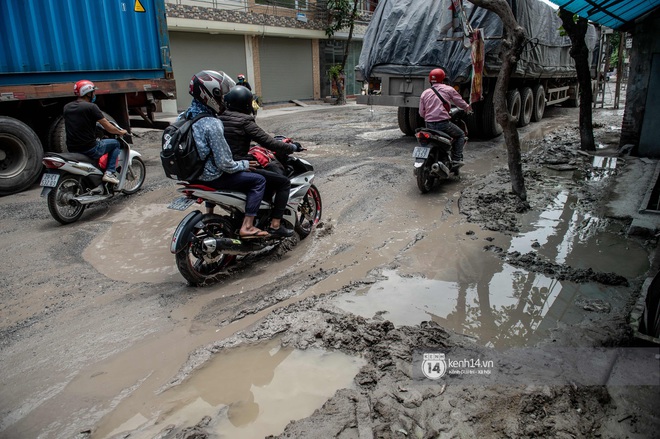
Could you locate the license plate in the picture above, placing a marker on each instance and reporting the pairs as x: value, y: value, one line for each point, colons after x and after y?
x: 181, y: 203
x: 49, y: 180
x: 421, y: 152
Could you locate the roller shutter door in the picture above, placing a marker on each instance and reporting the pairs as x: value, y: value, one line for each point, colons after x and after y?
x: 286, y: 69
x: 192, y: 52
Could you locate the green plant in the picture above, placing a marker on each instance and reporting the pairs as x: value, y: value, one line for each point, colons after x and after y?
x: 335, y: 71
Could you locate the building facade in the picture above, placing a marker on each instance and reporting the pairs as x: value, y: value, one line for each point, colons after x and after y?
x: 280, y: 45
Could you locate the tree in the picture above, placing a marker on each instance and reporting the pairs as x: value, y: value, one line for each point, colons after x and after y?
x: 342, y: 14
x: 514, y: 40
x: 576, y: 29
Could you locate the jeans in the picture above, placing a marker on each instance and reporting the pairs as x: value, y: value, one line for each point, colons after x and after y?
x: 279, y: 184
x: 109, y: 146
x: 251, y: 183
x: 455, y: 132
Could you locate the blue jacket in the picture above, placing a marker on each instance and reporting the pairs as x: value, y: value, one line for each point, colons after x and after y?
x: 210, y: 139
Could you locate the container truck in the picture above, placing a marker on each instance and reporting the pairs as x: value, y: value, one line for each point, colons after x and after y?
x: 46, y: 46
x: 406, y: 39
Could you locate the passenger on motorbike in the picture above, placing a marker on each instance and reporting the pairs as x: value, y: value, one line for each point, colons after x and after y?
x: 220, y: 170
x: 80, y: 118
x: 434, y: 106
x: 240, y: 130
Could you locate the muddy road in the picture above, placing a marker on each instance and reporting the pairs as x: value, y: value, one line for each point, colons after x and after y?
x: 102, y: 338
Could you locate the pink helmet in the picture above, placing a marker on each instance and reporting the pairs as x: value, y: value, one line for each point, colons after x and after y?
x: 82, y: 87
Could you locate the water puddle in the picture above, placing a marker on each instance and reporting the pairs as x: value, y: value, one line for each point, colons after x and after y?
x: 247, y: 392
x: 136, y: 248
x: 506, y: 309
x: 480, y: 295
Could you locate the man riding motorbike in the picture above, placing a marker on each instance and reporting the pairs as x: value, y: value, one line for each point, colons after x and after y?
x: 80, y: 118
x: 240, y: 130
x: 434, y: 105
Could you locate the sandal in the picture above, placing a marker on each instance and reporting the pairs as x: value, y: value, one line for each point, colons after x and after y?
x: 255, y: 235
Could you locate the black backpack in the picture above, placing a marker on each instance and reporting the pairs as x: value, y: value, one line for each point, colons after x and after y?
x: 179, y: 155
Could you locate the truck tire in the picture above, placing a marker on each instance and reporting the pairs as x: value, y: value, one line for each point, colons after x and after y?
x: 20, y: 156
x: 513, y: 104
x: 574, y: 100
x: 57, y: 136
x: 539, y: 103
x: 526, y: 106
x: 490, y: 127
x: 415, y: 120
x: 404, y: 124
x: 474, y: 122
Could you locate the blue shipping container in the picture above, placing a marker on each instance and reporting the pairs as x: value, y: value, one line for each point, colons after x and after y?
x: 51, y: 41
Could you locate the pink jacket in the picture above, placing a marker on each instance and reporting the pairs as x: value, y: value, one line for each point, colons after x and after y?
x: 431, y: 107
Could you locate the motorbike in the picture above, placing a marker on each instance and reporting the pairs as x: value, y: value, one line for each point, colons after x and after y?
x: 206, y: 244
x: 73, y: 181
x: 433, y: 161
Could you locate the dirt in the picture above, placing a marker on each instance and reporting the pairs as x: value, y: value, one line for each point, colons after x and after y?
x: 86, y: 344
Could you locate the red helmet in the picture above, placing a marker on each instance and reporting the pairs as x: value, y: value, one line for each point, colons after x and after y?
x: 436, y: 75
x: 82, y: 87
x: 241, y: 77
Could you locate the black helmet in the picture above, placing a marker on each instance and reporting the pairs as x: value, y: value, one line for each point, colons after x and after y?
x: 239, y: 99
x: 208, y: 87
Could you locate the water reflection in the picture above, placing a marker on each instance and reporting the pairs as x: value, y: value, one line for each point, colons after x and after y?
x: 248, y: 392
x: 478, y: 294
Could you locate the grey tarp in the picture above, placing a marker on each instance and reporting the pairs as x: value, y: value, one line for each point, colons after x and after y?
x: 404, y: 37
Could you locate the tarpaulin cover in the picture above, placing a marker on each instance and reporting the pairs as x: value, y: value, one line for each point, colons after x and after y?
x: 405, y: 37
x: 614, y: 14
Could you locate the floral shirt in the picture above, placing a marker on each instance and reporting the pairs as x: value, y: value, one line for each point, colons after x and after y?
x: 210, y: 139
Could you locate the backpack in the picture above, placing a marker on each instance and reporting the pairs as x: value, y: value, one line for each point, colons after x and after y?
x: 178, y: 154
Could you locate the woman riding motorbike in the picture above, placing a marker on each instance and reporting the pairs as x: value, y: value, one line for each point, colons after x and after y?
x: 240, y: 130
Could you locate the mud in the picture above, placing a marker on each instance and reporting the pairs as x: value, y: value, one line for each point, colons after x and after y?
x: 98, y: 329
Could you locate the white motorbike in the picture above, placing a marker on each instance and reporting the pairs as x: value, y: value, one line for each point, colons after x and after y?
x: 73, y: 181
x: 204, y: 245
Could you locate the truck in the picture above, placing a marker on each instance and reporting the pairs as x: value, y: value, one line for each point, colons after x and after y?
x: 46, y: 46
x: 406, y: 39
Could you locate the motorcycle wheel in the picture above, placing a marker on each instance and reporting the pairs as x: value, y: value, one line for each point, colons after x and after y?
x: 60, y: 200
x: 197, y: 266
x: 424, y: 179
x: 310, y: 212
x: 135, y: 176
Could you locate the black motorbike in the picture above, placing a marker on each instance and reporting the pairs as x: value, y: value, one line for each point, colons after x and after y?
x: 433, y: 161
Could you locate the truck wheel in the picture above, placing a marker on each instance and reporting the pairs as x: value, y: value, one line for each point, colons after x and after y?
x: 574, y: 93
x: 489, y: 124
x: 539, y: 103
x: 57, y: 136
x: 474, y: 122
x: 526, y: 106
x: 415, y: 120
x: 20, y: 156
x: 513, y: 104
x: 404, y: 124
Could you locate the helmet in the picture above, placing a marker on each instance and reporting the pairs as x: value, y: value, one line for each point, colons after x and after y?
x: 436, y: 75
x: 82, y: 87
x: 208, y: 87
x: 239, y: 99
x: 241, y: 77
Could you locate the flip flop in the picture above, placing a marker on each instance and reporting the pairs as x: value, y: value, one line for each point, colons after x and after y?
x: 255, y: 235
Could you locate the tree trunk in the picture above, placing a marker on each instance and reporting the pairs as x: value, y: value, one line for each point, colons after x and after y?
x: 341, y: 85
x: 512, y: 44
x: 580, y: 53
